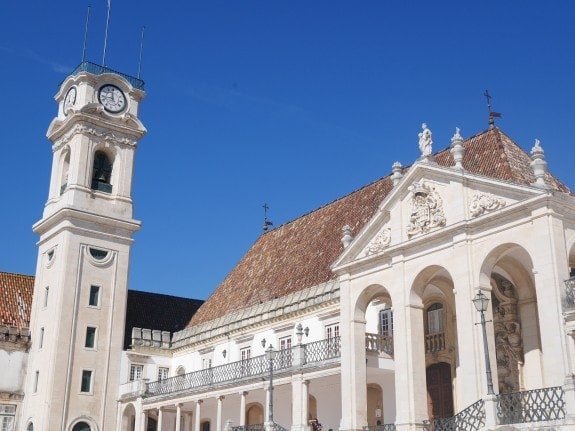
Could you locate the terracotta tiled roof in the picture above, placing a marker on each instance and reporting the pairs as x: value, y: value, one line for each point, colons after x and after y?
x: 157, y: 311
x: 298, y: 254
x: 15, y: 299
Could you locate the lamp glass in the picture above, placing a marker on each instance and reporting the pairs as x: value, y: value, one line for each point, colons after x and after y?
x: 270, y: 353
x: 480, y: 301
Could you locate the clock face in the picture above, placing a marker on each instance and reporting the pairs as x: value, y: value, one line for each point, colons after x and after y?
x: 112, y: 98
x: 70, y: 99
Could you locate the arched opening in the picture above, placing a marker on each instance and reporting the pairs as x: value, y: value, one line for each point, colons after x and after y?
x: 102, y: 172
x: 64, y: 171
x: 30, y: 427
x: 516, y: 331
x: 81, y: 426
x: 205, y: 426
x: 254, y: 414
x: 129, y: 418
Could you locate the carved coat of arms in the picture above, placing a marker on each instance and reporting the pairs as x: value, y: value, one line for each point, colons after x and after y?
x: 426, y: 209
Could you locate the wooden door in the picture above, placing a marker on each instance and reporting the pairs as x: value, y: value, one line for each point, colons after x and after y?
x: 439, y: 391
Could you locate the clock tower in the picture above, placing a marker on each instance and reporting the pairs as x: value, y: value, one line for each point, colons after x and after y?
x: 86, y: 233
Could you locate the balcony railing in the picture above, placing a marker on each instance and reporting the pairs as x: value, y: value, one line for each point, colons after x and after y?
x: 250, y: 369
x: 470, y: 419
x: 96, y: 69
x: 537, y: 405
x: 435, y: 342
x: 384, y: 427
x: 379, y: 343
x: 569, y: 300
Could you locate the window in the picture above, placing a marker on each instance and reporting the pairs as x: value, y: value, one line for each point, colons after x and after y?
x: 246, y: 353
x: 30, y: 427
x: 102, y: 173
x: 435, y: 319
x: 206, y: 363
x: 136, y: 372
x: 386, y: 322
x: 86, y: 385
x: 90, y: 337
x: 333, y: 341
x: 46, y: 292
x: 7, y: 414
x: 284, y: 356
x: 36, y: 378
x: 94, y: 299
x: 41, y: 338
x: 163, y: 373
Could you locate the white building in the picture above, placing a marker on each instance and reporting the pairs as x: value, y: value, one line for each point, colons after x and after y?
x: 363, y: 306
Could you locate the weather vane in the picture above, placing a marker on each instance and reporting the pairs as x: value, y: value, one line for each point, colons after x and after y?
x: 267, y: 223
x: 492, y: 114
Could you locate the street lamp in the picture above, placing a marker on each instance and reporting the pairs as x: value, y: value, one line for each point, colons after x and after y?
x: 270, y: 356
x: 481, y: 301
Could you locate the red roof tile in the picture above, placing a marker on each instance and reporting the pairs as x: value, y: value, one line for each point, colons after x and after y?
x: 298, y: 254
x: 15, y: 299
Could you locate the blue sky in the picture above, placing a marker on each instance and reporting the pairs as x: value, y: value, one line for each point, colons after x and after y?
x: 290, y: 103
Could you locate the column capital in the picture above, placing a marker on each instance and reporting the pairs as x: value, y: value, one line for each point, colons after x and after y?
x: 199, y: 401
x: 244, y: 393
x: 220, y: 398
x: 179, y: 405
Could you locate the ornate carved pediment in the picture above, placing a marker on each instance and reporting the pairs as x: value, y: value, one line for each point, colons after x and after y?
x: 484, y: 202
x: 379, y: 242
x: 426, y: 209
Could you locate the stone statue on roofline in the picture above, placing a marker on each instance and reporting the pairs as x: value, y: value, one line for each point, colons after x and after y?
x: 425, y: 141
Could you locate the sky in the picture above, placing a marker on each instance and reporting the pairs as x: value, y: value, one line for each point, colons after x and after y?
x: 293, y: 104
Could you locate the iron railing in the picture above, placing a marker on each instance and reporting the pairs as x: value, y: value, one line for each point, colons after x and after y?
x: 379, y: 343
x: 470, y: 419
x: 569, y: 300
x: 384, y: 427
x: 531, y: 406
x: 323, y: 350
x: 96, y: 69
x: 435, y: 342
x: 253, y: 427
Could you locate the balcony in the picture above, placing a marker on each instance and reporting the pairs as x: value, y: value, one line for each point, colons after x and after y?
x: 435, y: 342
x: 379, y: 343
x: 317, y: 354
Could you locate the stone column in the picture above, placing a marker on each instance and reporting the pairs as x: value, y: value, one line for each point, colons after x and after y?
x: 409, y: 358
x: 189, y: 421
x: 299, y: 403
x: 144, y: 421
x: 242, y: 420
x: 139, y: 413
x: 178, y: 416
x: 353, y: 366
x: 198, y: 425
x: 160, y: 418
x: 219, y: 413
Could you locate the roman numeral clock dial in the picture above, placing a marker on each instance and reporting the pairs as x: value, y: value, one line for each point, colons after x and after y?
x: 112, y: 98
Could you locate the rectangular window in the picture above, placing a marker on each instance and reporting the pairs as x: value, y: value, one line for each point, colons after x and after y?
x: 386, y: 322
x: 206, y: 363
x: 46, y: 292
x: 163, y: 373
x: 246, y: 353
x: 435, y: 319
x: 94, y: 299
x: 90, y: 337
x: 7, y: 414
x: 284, y: 357
x: 333, y: 341
x: 136, y: 372
x: 86, y: 381
x: 36, y: 378
x: 41, y: 338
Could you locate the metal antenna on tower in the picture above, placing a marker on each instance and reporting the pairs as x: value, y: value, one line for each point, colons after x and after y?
x: 492, y: 114
x: 106, y: 35
x: 267, y: 223
x: 85, y: 35
x: 141, y: 50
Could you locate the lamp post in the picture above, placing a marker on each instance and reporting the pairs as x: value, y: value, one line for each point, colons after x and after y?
x: 481, y: 301
x: 270, y: 355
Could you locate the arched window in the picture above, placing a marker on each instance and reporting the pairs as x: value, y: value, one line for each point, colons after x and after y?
x: 65, y: 172
x: 205, y: 426
x: 30, y: 427
x: 435, y: 319
x: 102, y: 173
x: 81, y: 426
